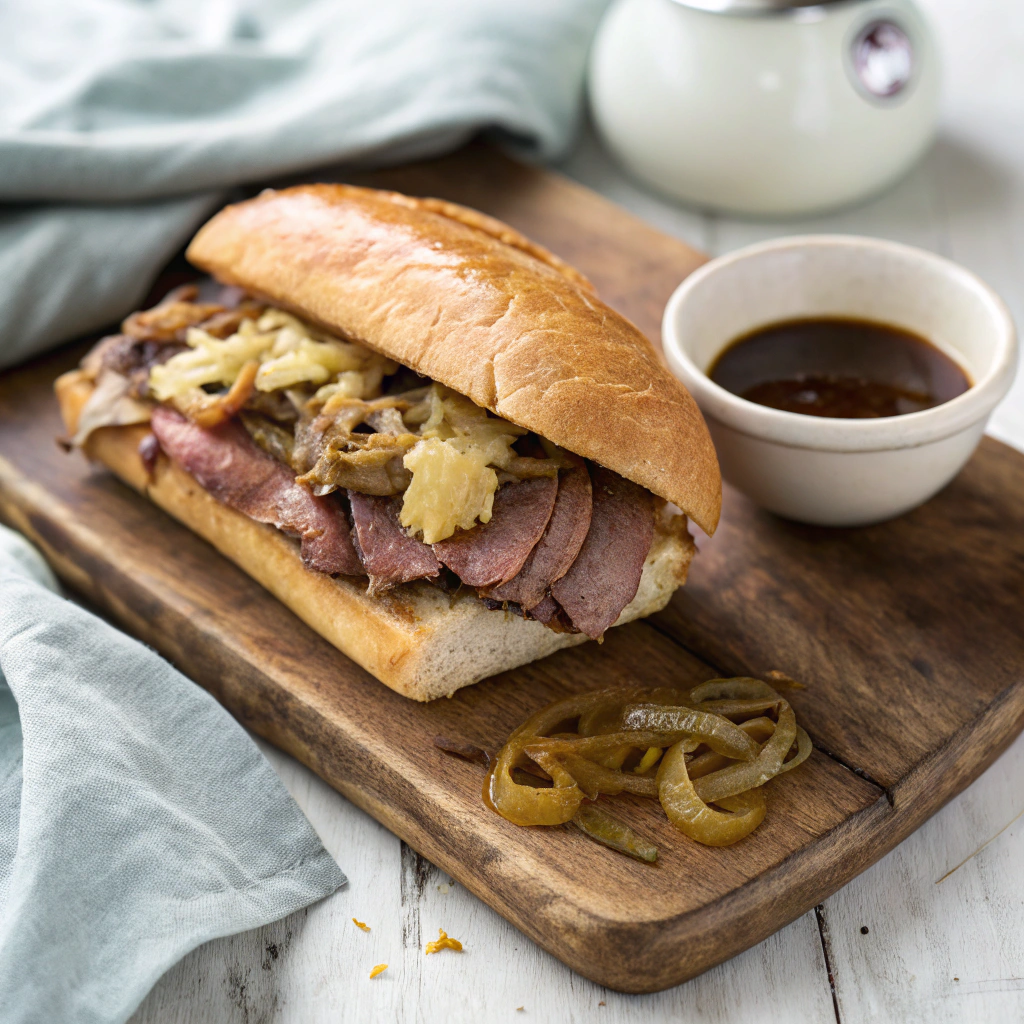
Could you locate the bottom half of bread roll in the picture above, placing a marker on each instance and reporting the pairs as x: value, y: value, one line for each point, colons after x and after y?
x: 417, y: 639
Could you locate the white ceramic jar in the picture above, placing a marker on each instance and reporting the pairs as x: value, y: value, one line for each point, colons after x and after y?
x: 840, y: 472
x: 765, y: 106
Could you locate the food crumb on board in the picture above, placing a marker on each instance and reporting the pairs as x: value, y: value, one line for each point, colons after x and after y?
x: 863, y: 929
x: 520, y: 1009
x: 602, y: 1003
x: 443, y: 889
x: 443, y: 942
x: 783, y: 680
x: 956, y: 979
x: 361, y: 924
x: 379, y: 969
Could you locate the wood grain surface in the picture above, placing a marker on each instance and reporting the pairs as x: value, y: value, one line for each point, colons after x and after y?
x: 908, y: 651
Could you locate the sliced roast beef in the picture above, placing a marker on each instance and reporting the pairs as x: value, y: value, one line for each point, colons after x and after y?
x: 389, y: 554
x: 545, y: 609
x: 236, y: 471
x: 492, y: 553
x: 557, y: 549
x: 605, y: 576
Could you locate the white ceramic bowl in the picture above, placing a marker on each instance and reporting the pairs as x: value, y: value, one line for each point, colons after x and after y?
x: 841, y: 472
x: 765, y: 111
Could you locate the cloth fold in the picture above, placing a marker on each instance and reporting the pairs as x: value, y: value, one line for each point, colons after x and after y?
x: 137, y: 818
x: 110, y: 101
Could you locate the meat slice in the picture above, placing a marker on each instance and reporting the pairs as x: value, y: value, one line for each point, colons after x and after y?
x: 545, y: 610
x: 389, y: 554
x: 557, y: 549
x: 606, y: 574
x: 332, y: 551
x: 492, y: 553
x: 228, y: 464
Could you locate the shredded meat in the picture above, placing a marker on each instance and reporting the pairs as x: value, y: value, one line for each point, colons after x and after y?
x: 152, y: 336
x: 129, y: 358
x: 331, y: 454
x: 277, y: 407
x: 167, y: 322
x: 374, y: 467
x: 226, y: 322
x: 269, y: 435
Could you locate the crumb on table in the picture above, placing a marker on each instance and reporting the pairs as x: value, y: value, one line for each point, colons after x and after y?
x: 443, y: 942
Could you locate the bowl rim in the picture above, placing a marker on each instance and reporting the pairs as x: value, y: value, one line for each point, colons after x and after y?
x: 832, y: 434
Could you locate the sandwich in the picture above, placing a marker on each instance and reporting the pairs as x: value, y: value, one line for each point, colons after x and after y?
x: 422, y: 432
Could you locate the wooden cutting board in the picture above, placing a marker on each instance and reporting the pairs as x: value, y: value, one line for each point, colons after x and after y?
x: 909, y: 637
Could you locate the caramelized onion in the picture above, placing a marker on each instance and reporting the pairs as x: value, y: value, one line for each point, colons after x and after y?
x: 739, y: 688
x: 692, y: 816
x: 717, y: 732
x: 595, y: 779
x: 803, y: 751
x: 717, y: 743
x: 759, y: 729
x: 525, y: 805
x: 736, y: 708
x: 615, y: 834
x: 738, y: 778
x: 213, y: 410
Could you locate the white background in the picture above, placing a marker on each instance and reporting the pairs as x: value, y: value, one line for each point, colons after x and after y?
x: 937, y: 950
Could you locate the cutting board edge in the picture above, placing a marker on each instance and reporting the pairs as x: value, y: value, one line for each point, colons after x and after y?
x: 629, y: 279
x: 678, y: 947
x: 798, y: 883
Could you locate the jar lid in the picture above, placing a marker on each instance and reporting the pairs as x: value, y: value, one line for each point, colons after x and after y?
x: 753, y: 6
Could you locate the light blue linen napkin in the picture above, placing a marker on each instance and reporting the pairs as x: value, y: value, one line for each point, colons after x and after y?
x: 111, y: 101
x: 137, y: 818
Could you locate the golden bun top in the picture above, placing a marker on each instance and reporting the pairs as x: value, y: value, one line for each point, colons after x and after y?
x: 469, y: 302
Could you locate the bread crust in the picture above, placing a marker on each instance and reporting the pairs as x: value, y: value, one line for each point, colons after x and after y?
x: 468, y: 301
x: 416, y: 640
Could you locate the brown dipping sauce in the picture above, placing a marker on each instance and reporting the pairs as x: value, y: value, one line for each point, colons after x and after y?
x: 848, y: 369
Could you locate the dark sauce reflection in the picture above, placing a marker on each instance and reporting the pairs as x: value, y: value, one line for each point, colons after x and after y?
x: 848, y: 369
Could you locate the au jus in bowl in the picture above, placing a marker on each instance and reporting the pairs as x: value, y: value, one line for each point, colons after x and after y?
x: 839, y: 367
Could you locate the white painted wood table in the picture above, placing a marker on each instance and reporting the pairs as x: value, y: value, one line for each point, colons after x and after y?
x: 934, y: 932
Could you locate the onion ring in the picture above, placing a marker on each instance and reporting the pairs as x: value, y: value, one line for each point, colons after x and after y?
x: 705, y: 754
x: 692, y: 815
x: 738, y: 778
x: 717, y: 732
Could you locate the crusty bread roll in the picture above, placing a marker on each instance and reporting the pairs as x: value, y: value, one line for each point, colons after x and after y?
x: 417, y: 640
x: 469, y: 302
x: 466, y: 300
